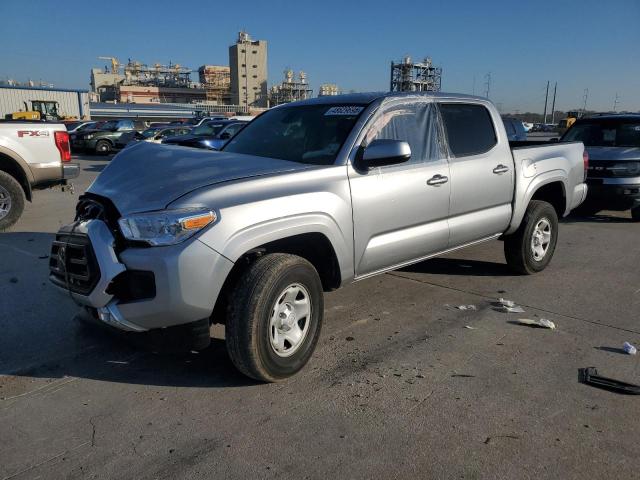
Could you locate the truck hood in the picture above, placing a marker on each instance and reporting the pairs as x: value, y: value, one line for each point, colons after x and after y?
x: 149, y: 176
x: 613, y: 153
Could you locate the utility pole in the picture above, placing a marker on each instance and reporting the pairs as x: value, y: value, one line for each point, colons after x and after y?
x: 474, y: 84
x: 553, y: 104
x: 546, y: 99
x: 615, y: 103
x: 585, y: 97
x: 487, y: 84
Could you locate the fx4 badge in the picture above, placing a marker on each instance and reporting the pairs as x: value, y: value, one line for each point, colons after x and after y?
x: 33, y: 133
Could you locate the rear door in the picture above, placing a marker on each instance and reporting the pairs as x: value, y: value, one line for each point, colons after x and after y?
x: 400, y: 211
x: 482, y: 172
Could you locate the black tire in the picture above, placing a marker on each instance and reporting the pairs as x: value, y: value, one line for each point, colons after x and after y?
x: 11, y: 199
x: 518, y: 249
x: 635, y: 213
x: 250, y: 309
x: 103, y: 147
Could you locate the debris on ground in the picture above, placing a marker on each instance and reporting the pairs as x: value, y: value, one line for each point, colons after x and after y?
x: 589, y: 376
x: 630, y: 349
x: 469, y: 327
x: 509, y: 306
x: 538, y: 322
x: 466, y: 307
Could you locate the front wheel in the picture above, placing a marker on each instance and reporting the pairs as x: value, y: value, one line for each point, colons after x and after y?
x: 635, y: 213
x: 103, y: 147
x: 274, y: 317
x: 530, y: 248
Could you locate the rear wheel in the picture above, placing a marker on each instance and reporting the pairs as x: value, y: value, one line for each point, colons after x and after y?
x: 103, y: 147
x: 11, y: 200
x: 274, y: 317
x: 531, y: 247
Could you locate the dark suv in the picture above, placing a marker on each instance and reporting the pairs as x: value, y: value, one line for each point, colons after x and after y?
x: 104, y: 139
x: 613, y: 144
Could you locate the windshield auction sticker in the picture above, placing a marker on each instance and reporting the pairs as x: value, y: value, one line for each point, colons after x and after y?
x: 344, y: 110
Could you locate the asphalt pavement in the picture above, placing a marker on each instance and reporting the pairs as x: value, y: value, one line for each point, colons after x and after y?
x: 403, y: 384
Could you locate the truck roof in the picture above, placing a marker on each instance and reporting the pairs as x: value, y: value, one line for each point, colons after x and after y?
x: 370, y: 97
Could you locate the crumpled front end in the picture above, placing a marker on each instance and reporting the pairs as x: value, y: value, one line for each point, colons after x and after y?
x: 136, y: 288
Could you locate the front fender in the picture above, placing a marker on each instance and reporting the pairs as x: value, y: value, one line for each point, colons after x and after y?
x: 253, y: 236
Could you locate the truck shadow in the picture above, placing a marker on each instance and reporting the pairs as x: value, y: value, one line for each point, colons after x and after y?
x: 618, y: 217
x: 455, y: 266
x: 116, y: 357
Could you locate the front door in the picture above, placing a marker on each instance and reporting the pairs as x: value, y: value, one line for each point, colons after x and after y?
x: 400, y: 211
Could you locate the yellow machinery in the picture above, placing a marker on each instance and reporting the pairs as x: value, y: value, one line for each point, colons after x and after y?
x: 40, y: 109
x: 566, y: 122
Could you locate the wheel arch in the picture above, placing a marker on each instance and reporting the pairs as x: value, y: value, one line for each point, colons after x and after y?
x: 550, y: 188
x: 14, y: 167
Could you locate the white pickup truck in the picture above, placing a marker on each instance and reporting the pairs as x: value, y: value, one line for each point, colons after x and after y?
x: 33, y: 156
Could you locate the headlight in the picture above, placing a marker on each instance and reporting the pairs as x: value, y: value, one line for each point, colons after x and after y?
x: 88, y: 137
x: 165, y: 227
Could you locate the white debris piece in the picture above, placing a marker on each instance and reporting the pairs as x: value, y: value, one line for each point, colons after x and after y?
x: 630, y: 349
x: 539, y: 322
x: 510, y: 306
x: 514, y: 309
x: 469, y: 327
x: 506, y: 303
x: 466, y: 307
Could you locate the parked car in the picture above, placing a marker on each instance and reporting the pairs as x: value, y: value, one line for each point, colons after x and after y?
x: 33, y: 156
x: 154, y: 134
x: 613, y: 143
x: 515, y: 129
x: 103, y: 139
x: 224, y: 131
x: 527, y: 126
x: 308, y: 197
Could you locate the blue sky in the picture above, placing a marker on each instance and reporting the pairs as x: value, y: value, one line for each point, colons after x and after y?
x: 580, y: 44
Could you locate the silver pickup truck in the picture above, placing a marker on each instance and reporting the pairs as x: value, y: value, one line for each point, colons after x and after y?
x: 308, y: 197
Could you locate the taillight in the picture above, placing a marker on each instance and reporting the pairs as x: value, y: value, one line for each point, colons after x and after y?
x: 585, y: 160
x: 62, y: 143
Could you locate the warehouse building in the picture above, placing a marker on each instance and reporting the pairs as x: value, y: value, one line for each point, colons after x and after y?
x: 70, y: 103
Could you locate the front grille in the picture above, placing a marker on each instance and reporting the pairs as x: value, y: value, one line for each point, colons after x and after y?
x: 72, y: 263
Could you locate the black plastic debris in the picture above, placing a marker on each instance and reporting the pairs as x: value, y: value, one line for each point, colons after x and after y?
x: 589, y: 376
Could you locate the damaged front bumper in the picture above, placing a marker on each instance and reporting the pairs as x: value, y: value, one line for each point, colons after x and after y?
x: 136, y: 289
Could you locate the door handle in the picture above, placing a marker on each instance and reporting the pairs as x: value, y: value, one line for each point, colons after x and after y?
x: 437, y: 180
x: 500, y: 169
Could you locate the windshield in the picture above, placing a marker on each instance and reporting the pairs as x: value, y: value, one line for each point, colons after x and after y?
x: 208, y: 129
x: 71, y: 125
x: 310, y: 134
x: 150, y: 132
x: 605, y: 134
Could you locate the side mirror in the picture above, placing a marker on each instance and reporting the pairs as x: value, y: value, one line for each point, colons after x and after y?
x: 225, y: 135
x: 385, y: 152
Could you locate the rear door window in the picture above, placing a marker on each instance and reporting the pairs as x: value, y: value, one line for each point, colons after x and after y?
x: 469, y: 128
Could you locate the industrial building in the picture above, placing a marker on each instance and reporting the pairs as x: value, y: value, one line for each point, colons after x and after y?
x: 216, y: 81
x: 328, y: 89
x: 248, y: 65
x: 290, y: 90
x: 407, y: 76
x: 139, y: 82
x: 70, y: 103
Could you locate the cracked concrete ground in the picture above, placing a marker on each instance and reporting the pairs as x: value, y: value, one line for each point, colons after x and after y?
x: 397, y: 388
